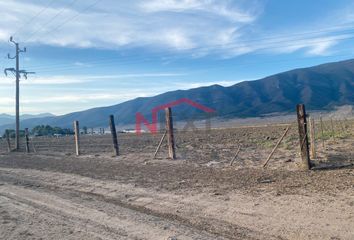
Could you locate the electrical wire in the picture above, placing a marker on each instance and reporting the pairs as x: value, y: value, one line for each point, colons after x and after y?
x: 267, y: 45
x: 68, y: 19
x: 137, y: 60
x: 33, y: 18
x: 51, y: 20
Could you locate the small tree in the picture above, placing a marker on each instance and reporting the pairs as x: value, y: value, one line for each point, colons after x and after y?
x: 85, y: 129
x: 12, y: 133
x: 46, y: 130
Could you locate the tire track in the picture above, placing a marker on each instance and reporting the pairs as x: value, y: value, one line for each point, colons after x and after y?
x: 98, y: 219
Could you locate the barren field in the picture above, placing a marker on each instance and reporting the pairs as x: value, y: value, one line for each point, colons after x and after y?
x: 53, y: 194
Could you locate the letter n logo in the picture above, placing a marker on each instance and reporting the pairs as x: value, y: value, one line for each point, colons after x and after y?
x: 141, y: 119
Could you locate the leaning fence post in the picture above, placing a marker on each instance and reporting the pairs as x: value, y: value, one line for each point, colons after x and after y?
x: 8, y: 140
x: 77, y: 137
x: 276, y: 146
x: 27, y: 140
x: 304, y: 145
x: 160, y: 143
x: 313, y: 138
x: 114, y: 135
x: 170, y: 137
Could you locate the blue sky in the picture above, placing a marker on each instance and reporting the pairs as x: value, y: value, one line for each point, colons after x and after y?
x: 91, y: 53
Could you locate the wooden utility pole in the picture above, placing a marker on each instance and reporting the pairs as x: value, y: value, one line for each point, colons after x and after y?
x: 17, y: 72
x: 313, y: 138
x: 77, y: 137
x: 170, y: 136
x: 27, y: 140
x: 114, y: 135
x: 17, y: 135
x: 304, y: 145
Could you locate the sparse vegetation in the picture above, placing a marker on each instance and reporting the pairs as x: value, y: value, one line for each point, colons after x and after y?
x: 12, y: 134
x: 46, y: 130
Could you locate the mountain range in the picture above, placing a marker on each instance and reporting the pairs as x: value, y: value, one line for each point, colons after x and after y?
x: 6, y: 119
x: 321, y: 87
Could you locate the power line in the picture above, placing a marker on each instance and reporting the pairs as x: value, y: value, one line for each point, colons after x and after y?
x: 233, y: 45
x: 228, y: 46
x: 68, y: 19
x: 265, y: 46
x: 33, y: 17
x: 135, y: 60
x: 338, y: 27
x: 51, y: 19
x: 244, y: 64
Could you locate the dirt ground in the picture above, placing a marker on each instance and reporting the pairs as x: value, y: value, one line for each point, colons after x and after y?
x: 53, y: 194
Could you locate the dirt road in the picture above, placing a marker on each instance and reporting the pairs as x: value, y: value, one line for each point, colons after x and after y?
x: 32, y: 209
x: 47, y: 197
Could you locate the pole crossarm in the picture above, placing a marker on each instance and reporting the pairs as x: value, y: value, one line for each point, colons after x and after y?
x: 25, y: 73
x: 13, y: 70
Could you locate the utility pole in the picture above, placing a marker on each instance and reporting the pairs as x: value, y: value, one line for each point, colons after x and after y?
x: 17, y: 72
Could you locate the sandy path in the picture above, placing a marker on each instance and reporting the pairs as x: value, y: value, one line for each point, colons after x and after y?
x: 116, y: 209
x: 37, y: 214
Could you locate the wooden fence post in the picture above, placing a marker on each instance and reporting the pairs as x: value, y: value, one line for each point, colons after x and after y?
x: 77, y: 137
x: 313, y: 138
x: 322, y: 135
x: 304, y: 145
x: 8, y: 140
x: 170, y: 137
x: 341, y: 125
x: 27, y: 140
x: 332, y: 128
x: 114, y: 135
x: 33, y: 146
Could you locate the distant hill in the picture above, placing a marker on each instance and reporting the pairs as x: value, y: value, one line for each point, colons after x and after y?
x: 8, y: 119
x: 321, y: 87
x: 41, y: 115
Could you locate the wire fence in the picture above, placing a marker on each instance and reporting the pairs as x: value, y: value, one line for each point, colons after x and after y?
x: 334, y: 143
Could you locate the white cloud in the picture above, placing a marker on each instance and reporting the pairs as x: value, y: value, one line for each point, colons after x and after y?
x: 113, y: 24
x: 78, y: 79
x: 196, y: 27
x: 6, y: 100
x: 177, y: 39
x: 135, y: 75
x: 4, y: 35
x: 213, y: 7
x: 312, y: 46
x: 72, y: 98
x: 203, y: 84
x: 81, y: 64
